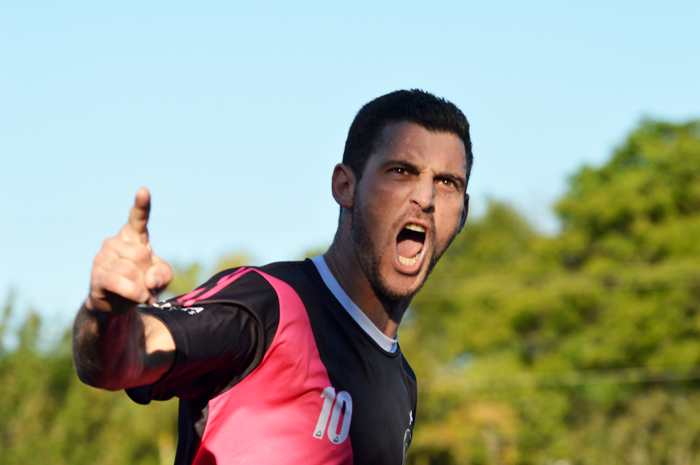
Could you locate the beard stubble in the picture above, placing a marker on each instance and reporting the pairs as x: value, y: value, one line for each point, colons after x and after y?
x: 369, y: 253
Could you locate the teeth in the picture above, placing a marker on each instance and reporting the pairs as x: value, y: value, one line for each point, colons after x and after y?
x: 415, y: 227
x: 408, y: 261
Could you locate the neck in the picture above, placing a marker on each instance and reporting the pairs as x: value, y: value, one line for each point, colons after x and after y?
x: 343, y: 262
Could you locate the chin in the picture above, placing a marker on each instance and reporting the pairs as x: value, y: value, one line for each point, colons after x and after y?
x: 401, y: 289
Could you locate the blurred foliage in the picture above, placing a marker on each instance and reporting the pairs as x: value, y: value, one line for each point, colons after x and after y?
x: 187, y: 277
x: 232, y: 260
x: 48, y: 416
x: 583, y: 348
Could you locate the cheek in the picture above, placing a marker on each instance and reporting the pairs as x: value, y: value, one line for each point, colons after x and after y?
x: 447, y: 223
x: 392, y: 193
x: 385, y: 204
x: 374, y: 219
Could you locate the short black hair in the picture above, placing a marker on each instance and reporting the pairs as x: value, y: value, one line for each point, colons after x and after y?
x: 412, y: 106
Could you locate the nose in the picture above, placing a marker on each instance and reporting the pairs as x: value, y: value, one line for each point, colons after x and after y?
x: 423, y: 193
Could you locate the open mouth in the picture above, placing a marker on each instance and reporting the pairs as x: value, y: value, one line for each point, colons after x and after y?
x: 410, y: 243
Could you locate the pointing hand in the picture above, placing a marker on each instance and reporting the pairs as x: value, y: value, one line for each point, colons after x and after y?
x: 126, y: 272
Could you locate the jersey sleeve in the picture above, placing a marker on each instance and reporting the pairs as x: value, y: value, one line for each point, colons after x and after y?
x: 221, y: 332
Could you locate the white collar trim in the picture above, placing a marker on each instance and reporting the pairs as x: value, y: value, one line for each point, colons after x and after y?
x: 384, y: 341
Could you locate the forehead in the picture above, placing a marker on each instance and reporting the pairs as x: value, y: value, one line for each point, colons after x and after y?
x: 413, y: 143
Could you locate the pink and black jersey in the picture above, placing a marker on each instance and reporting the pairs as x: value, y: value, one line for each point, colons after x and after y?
x: 276, y: 365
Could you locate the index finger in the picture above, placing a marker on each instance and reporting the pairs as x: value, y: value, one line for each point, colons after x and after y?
x: 138, y: 215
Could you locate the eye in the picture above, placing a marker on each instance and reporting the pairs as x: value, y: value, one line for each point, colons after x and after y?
x: 447, y: 182
x: 400, y: 170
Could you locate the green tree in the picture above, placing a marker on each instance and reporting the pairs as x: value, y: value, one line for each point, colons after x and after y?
x: 48, y: 416
x: 641, y: 207
x: 583, y: 346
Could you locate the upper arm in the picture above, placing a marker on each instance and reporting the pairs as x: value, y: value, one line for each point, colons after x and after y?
x: 208, y: 347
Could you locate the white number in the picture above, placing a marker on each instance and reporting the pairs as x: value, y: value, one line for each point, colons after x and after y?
x: 342, y: 399
x: 336, y: 403
x: 328, y: 396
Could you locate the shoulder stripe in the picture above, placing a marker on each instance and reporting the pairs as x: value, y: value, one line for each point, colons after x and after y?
x: 222, y: 283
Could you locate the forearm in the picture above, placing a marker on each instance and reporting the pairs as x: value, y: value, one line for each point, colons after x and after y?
x: 115, y: 346
x: 109, y: 349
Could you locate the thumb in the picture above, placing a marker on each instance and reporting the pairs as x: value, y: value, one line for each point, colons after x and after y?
x: 159, y: 275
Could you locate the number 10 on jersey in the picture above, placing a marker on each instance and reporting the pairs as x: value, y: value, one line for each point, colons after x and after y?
x: 336, y: 403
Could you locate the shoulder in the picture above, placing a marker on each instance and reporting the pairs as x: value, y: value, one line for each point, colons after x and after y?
x: 249, y: 287
x: 289, y: 271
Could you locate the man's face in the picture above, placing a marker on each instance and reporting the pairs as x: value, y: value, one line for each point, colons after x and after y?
x: 407, y: 207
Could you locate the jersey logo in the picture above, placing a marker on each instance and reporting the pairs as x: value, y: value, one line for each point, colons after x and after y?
x: 192, y: 310
x: 334, y: 406
x: 168, y: 305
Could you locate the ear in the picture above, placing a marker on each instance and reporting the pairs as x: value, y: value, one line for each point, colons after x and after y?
x: 465, y: 213
x: 343, y: 185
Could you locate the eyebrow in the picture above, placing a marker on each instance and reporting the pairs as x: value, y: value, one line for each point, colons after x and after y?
x: 402, y: 163
x: 460, y: 181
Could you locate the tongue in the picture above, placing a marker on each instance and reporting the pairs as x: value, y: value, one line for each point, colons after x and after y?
x: 409, y: 248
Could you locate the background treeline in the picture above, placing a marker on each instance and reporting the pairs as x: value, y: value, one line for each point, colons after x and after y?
x: 582, y: 348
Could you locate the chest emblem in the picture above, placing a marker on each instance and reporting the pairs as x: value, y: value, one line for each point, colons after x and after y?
x: 406, y: 443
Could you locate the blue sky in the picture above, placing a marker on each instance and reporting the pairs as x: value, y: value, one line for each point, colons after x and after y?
x: 234, y: 116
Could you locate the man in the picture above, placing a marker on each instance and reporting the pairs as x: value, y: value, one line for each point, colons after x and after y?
x: 293, y: 362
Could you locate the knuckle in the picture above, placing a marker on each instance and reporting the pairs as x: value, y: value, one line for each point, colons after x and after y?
x: 128, y: 270
x: 110, y: 243
x: 146, y: 257
x: 109, y: 282
x: 95, y: 278
x: 142, y: 254
x: 123, y: 287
